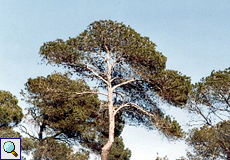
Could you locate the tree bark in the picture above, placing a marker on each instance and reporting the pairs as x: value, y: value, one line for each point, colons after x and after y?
x: 108, y: 145
x: 40, y: 137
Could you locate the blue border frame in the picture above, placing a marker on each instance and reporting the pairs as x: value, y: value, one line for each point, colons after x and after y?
x: 20, y: 149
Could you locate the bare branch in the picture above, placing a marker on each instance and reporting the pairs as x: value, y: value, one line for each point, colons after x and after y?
x: 137, y: 107
x: 102, y: 93
x: 198, y: 110
x: 222, y: 110
x: 107, y: 50
x: 143, y: 110
x: 79, y: 93
x: 217, y: 115
x: 113, y: 79
x: 26, y: 132
x: 96, y: 74
x: 121, y: 106
x: 91, y: 70
x: 225, y: 99
x: 123, y: 83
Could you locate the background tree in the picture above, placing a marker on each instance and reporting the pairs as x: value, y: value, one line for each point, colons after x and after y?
x: 10, y: 116
x: 51, y: 149
x: 210, y: 99
x: 128, y: 71
x: 66, y: 116
x: 211, y: 142
x: 10, y: 113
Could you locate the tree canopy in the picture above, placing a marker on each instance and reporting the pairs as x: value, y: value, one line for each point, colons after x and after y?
x: 134, y: 57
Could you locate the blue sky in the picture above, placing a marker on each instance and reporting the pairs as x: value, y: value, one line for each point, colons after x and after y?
x: 193, y: 35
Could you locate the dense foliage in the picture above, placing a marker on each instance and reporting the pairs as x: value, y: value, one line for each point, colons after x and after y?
x: 10, y: 113
x: 118, y: 151
x: 61, y: 114
x: 51, y: 149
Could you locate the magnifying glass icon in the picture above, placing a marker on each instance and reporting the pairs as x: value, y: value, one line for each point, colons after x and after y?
x: 9, y: 147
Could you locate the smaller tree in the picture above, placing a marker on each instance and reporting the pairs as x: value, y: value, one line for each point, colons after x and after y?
x: 210, y: 99
x: 10, y: 116
x: 51, y: 149
x: 211, y: 142
x: 62, y: 115
x: 10, y: 113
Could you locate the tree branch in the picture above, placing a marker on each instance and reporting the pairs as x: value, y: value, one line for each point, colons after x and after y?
x: 198, y: 110
x: 121, y: 106
x: 26, y: 132
x: 79, y: 93
x: 96, y: 74
x: 123, y: 83
x: 225, y: 99
x: 102, y: 93
x: 137, y: 107
x: 143, y: 110
x: 113, y: 79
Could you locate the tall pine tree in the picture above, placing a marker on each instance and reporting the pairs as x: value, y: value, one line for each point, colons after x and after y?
x: 128, y: 71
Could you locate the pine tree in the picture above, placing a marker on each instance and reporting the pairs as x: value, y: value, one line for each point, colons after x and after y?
x: 129, y: 72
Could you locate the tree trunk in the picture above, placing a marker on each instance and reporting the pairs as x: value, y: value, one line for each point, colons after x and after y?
x: 41, y: 132
x: 40, y: 137
x: 108, y: 145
